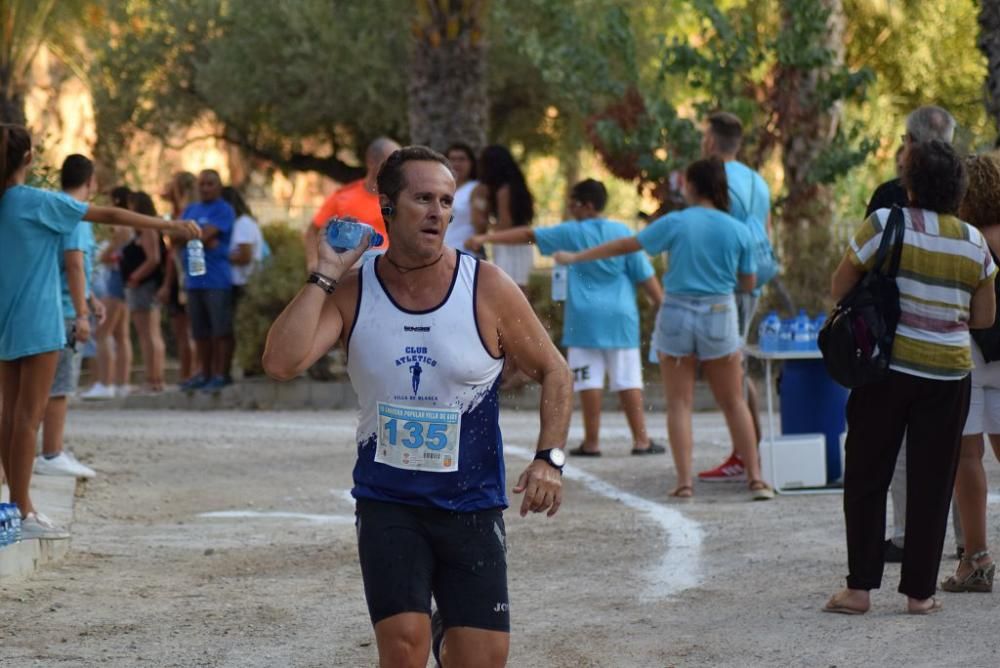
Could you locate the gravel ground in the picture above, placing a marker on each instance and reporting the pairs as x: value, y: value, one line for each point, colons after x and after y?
x: 620, y: 577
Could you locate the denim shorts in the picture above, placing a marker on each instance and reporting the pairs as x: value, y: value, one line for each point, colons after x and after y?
x: 705, y: 327
x: 67, y: 376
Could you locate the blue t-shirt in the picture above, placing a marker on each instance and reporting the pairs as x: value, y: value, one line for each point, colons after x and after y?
x: 748, y: 193
x: 80, y: 239
x: 32, y: 225
x: 600, y: 303
x: 218, y: 271
x: 706, y: 247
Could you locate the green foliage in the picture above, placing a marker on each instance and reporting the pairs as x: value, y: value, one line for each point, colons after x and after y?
x: 269, y: 290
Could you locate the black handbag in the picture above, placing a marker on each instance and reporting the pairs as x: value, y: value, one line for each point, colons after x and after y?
x: 856, y: 340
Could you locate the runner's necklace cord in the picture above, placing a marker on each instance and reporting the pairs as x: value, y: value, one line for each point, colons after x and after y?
x: 405, y: 270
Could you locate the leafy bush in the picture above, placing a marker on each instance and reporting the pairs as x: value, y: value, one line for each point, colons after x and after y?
x: 268, y: 292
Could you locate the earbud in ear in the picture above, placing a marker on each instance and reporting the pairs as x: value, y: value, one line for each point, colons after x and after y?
x: 388, y: 211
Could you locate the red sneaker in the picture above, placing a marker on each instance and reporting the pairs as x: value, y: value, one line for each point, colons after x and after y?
x: 730, y: 470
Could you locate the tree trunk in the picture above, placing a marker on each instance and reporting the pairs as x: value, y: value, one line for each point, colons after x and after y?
x: 448, y: 99
x: 806, y: 125
x: 11, y: 100
x: 989, y: 44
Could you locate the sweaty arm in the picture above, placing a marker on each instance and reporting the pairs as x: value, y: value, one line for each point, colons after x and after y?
x: 622, y: 246
x: 522, y: 337
x: 983, y: 309
x: 845, y: 277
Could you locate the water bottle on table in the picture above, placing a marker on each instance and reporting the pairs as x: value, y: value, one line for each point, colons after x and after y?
x: 802, y: 332
x: 344, y: 234
x: 769, y: 333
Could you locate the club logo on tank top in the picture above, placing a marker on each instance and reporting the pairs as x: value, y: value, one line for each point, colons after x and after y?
x: 416, y: 362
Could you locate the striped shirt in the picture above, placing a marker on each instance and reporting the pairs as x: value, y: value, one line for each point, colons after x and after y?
x: 944, y: 262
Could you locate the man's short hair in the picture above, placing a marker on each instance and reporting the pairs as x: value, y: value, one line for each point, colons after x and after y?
x: 77, y: 170
x: 214, y: 173
x: 934, y: 176
x: 590, y: 191
x: 391, y: 180
x: 930, y: 123
x: 726, y: 130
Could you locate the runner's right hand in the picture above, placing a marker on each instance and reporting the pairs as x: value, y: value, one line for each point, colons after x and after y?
x: 334, y: 264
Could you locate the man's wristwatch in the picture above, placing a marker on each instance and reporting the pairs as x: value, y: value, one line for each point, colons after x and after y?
x: 554, y: 457
x: 327, y: 284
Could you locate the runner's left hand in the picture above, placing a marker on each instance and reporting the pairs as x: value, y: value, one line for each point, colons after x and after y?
x: 541, y: 484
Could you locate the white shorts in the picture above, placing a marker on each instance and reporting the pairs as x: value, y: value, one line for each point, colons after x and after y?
x: 984, y: 399
x: 516, y: 261
x: 623, y: 366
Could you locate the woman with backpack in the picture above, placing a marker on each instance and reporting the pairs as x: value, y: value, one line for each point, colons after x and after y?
x: 945, y: 283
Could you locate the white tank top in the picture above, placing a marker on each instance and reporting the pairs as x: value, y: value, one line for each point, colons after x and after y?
x: 429, y: 424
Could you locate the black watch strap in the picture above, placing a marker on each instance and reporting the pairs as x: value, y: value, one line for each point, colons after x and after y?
x: 327, y: 284
x: 547, y: 457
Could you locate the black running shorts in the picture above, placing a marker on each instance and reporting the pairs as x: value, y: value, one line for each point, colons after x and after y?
x: 409, y: 553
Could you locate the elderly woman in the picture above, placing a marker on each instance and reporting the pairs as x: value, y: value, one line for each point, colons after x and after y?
x: 976, y: 569
x: 946, y: 286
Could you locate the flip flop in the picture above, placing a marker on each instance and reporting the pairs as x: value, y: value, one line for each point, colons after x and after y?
x: 683, y: 492
x: 934, y: 608
x: 841, y: 609
x: 653, y: 449
x: 578, y: 451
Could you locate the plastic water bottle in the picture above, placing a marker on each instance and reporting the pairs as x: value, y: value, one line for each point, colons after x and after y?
x: 802, y: 332
x: 344, y: 234
x: 5, y: 525
x: 769, y: 333
x: 196, y: 257
x: 785, y: 342
x: 560, y: 282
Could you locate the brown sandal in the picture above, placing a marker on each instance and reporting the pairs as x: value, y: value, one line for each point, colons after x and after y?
x: 760, y: 490
x: 683, y: 492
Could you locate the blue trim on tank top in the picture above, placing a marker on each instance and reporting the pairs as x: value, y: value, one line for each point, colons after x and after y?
x: 475, y: 315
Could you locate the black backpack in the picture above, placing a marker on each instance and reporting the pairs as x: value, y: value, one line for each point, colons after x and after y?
x: 856, y: 340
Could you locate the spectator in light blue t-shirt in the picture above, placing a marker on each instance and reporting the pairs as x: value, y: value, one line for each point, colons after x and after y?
x: 32, y: 330
x: 710, y: 254
x: 601, y: 320
x: 210, y: 296
x: 750, y: 202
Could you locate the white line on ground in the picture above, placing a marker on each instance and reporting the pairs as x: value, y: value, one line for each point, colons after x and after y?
x: 250, y: 514
x: 993, y: 498
x: 678, y: 568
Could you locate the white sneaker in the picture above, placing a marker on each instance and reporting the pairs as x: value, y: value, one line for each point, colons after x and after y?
x: 36, y: 525
x: 99, y: 391
x: 62, y: 464
x: 85, y: 471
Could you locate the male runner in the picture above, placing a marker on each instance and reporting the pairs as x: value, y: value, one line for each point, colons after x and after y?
x: 429, y: 478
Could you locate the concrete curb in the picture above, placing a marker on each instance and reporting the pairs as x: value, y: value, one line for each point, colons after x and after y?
x: 55, y: 496
x: 306, y: 394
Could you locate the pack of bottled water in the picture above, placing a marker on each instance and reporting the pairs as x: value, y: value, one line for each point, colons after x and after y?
x: 798, y: 334
x: 10, y: 524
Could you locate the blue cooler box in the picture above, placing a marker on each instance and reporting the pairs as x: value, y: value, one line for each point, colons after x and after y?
x: 811, y: 402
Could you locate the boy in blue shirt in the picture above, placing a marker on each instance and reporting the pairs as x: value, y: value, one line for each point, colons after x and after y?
x: 210, y: 296
x: 601, y: 324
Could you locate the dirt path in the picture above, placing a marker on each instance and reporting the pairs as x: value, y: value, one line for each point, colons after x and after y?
x: 620, y: 578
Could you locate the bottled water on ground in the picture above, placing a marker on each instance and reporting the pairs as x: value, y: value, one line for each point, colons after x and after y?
x: 560, y: 283
x: 344, y: 234
x: 5, y: 522
x: 196, y: 258
x: 770, y: 333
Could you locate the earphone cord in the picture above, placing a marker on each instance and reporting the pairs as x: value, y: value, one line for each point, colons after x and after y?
x: 405, y: 270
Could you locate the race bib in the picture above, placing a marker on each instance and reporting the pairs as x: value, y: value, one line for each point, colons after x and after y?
x: 418, y: 439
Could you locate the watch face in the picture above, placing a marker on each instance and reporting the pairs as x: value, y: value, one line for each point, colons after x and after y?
x: 558, y: 457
